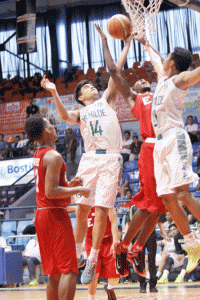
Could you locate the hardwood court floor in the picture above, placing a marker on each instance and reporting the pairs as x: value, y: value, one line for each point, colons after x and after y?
x: 123, y: 292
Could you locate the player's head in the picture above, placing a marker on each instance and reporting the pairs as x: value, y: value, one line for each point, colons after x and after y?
x: 180, y: 59
x: 85, y: 91
x: 190, y: 120
x: 142, y: 86
x: 173, y: 230
x: 39, y: 128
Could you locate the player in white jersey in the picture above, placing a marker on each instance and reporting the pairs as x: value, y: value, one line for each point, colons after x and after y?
x: 173, y: 149
x: 99, y: 167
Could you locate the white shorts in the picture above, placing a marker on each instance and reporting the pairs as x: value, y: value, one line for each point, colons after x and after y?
x: 173, y: 161
x: 177, y: 263
x: 100, y: 173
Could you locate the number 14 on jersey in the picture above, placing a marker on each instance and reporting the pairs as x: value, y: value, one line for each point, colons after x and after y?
x: 95, y: 127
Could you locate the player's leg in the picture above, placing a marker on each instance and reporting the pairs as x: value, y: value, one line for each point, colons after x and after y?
x: 151, y: 245
x: 184, y: 195
x: 98, y: 232
x: 80, y: 231
x: 67, y: 286
x: 180, y: 218
x: 52, y: 287
x: 92, y: 287
x: 109, y: 288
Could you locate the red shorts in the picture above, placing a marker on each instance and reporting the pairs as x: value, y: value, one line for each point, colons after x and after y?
x: 147, y: 198
x: 106, y: 262
x: 56, y: 241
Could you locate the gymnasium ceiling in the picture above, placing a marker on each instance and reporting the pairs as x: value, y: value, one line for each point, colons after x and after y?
x: 8, y: 7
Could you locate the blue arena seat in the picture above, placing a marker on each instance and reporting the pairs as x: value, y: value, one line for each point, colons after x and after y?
x: 194, y: 160
x: 197, y: 194
x: 134, y: 176
x: 131, y: 165
x: 135, y: 187
x: 195, y: 147
x: 22, y: 225
x: 8, y: 228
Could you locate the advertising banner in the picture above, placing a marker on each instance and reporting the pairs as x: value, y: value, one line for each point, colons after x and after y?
x: 11, y: 170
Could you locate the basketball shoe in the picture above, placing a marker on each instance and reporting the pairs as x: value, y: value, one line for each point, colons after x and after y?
x: 135, y: 258
x: 122, y: 264
x: 193, y: 256
x: 163, y: 280
x: 179, y: 279
x: 89, y: 272
x: 110, y: 293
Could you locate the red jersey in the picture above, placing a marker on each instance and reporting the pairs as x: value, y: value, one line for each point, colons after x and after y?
x: 91, y: 218
x: 142, y: 112
x: 39, y: 174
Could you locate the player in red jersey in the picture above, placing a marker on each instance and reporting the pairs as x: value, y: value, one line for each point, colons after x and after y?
x: 106, y: 261
x: 53, y: 226
x: 149, y: 204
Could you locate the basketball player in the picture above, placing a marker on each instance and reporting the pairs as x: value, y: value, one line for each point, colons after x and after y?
x: 173, y: 149
x: 99, y: 167
x: 106, y: 261
x: 149, y: 204
x: 53, y: 226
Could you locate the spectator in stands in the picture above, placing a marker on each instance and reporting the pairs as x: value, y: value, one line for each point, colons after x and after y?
x: 21, y: 146
x: 168, y: 222
x: 192, y: 129
x: 14, y: 146
x: 36, y: 83
x: 175, y: 259
x: 49, y: 75
x: 98, y: 84
x: 4, y: 245
x: 3, y: 146
x: 126, y: 146
x: 128, y: 195
x: 124, y: 184
x: 135, y: 148
x: 31, y: 258
x: 71, y: 143
x: 32, y: 109
x: 69, y: 74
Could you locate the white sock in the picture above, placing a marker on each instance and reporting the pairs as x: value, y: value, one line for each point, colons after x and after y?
x: 93, y: 255
x: 148, y: 275
x: 158, y: 274
x: 78, y: 250
x: 110, y: 287
x: 166, y: 273
x: 91, y: 297
x: 190, y: 239
x: 183, y: 272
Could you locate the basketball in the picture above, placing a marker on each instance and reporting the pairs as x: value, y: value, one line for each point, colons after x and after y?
x: 119, y: 27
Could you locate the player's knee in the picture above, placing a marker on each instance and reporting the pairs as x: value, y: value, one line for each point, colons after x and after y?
x: 183, y: 196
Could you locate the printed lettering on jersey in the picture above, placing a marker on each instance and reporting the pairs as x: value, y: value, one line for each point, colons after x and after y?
x: 94, y: 114
x: 90, y: 223
x: 146, y: 100
x: 158, y: 100
x: 36, y: 161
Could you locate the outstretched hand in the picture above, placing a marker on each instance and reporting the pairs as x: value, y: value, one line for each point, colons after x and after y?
x: 100, y: 31
x: 146, y: 46
x: 47, y: 85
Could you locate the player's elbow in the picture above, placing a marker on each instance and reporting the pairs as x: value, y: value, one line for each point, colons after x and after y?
x: 49, y: 193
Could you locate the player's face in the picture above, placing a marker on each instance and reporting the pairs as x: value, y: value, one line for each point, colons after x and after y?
x: 88, y: 91
x: 141, y: 86
x: 173, y: 231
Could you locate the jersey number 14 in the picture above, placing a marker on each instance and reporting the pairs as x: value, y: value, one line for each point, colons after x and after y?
x: 95, y: 127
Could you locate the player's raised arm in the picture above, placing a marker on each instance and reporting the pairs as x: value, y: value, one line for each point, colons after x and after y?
x: 71, y: 117
x: 156, y: 60
x: 187, y: 78
x: 52, y: 163
x: 119, y: 80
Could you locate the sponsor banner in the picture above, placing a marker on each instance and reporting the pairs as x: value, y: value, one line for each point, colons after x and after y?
x: 11, y: 170
x: 12, y: 117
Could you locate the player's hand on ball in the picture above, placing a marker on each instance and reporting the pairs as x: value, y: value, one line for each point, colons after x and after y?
x: 129, y: 38
x: 85, y: 192
x: 76, y: 181
x: 102, y: 34
x: 47, y: 85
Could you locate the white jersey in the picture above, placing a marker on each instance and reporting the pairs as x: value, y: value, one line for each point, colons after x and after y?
x: 100, y: 127
x: 167, y: 106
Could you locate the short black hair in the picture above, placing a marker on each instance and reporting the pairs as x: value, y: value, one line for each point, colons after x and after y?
x: 135, y: 136
x: 34, y: 127
x: 127, y: 131
x: 182, y: 58
x: 172, y: 225
x: 190, y: 117
x: 78, y: 88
